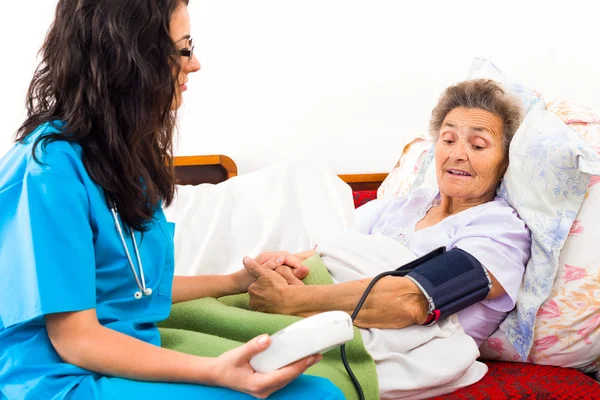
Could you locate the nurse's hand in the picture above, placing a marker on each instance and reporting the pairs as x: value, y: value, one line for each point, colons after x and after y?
x: 269, y: 293
x: 279, y: 263
x: 233, y: 370
x: 292, y: 269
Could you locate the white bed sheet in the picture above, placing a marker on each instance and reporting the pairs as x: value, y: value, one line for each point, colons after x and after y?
x: 288, y: 206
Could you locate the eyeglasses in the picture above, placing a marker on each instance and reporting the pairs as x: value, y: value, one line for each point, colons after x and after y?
x: 189, y: 51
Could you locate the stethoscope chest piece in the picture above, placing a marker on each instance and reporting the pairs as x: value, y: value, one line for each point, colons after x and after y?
x: 142, y: 292
x: 138, y: 294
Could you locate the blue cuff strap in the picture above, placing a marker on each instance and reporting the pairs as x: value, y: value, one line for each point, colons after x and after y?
x: 451, y: 282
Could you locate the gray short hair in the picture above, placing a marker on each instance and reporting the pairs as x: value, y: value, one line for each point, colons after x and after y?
x: 483, y: 94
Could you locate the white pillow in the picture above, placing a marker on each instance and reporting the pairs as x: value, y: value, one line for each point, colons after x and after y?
x: 485, y: 69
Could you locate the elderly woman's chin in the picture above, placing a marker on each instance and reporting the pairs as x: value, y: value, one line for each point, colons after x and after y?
x: 465, y: 187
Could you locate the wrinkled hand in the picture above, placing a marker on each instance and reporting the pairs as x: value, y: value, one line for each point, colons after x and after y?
x: 277, y: 262
x: 233, y: 370
x: 269, y: 293
x: 292, y: 269
x: 290, y: 259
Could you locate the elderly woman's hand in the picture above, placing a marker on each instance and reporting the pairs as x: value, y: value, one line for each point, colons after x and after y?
x: 277, y: 262
x: 269, y: 293
x: 289, y: 259
x: 292, y: 269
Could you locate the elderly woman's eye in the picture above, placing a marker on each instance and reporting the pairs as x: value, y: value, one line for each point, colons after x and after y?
x: 448, y: 141
x: 478, y: 147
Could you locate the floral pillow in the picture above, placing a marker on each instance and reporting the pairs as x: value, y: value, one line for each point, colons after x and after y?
x: 402, y: 177
x: 546, y: 182
x: 567, y: 326
x: 583, y: 120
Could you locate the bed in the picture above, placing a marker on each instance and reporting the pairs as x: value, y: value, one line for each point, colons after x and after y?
x: 505, y: 380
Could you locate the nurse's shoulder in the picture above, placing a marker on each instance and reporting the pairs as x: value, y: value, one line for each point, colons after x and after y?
x: 56, y: 157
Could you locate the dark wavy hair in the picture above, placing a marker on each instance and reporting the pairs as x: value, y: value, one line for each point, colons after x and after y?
x: 108, y: 71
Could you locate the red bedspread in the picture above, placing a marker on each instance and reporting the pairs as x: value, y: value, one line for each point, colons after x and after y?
x: 508, y: 380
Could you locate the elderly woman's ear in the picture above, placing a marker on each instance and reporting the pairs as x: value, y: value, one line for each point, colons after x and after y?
x: 504, y: 167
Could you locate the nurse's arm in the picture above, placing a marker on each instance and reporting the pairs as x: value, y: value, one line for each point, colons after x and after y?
x: 79, y: 339
x: 187, y: 288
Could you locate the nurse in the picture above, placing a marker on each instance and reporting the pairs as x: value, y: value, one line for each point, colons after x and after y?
x: 86, y: 255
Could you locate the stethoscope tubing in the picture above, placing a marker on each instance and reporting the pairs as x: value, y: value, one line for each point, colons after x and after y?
x: 140, y: 283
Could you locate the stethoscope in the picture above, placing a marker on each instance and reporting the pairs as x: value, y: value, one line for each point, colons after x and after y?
x: 144, y: 291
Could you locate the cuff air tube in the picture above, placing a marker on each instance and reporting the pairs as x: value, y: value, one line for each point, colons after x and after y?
x: 451, y: 282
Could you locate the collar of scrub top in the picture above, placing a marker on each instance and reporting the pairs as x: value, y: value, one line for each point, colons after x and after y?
x: 141, y: 283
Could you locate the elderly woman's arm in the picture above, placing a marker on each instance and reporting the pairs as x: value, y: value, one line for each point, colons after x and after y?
x: 394, y: 302
x: 497, y: 290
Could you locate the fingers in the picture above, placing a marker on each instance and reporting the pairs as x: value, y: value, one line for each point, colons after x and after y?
x: 267, y: 255
x: 290, y: 259
x: 274, y: 262
x: 252, y: 267
x: 289, y: 276
x: 254, y: 346
x: 298, y: 367
x: 267, y: 383
x: 293, y: 261
x: 257, y: 270
x: 277, y: 379
x: 301, y: 273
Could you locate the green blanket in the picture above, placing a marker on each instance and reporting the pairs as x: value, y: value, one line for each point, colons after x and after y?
x: 209, y: 327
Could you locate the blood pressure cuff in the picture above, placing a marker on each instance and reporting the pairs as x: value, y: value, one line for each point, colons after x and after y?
x: 451, y: 282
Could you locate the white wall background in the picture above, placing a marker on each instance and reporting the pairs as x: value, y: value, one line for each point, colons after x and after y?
x: 347, y: 80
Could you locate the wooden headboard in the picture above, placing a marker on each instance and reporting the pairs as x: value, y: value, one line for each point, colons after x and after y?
x: 194, y: 170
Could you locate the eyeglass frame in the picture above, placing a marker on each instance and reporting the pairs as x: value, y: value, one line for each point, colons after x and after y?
x: 188, y: 52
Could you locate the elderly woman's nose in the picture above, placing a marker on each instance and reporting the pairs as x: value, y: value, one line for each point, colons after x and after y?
x: 459, y: 150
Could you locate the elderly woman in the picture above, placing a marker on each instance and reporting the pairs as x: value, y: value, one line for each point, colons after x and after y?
x: 473, y: 125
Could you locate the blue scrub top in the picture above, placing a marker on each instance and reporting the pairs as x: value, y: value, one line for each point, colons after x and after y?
x: 60, y: 252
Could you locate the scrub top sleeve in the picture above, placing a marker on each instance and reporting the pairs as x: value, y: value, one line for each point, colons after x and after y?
x: 501, y: 243
x: 50, y: 248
